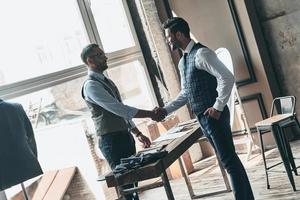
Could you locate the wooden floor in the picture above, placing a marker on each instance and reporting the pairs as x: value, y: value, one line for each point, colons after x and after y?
x: 208, y: 179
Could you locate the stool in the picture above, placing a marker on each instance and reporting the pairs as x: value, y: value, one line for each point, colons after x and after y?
x: 277, y: 123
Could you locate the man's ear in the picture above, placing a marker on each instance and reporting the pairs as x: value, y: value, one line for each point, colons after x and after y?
x: 89, y: 61
x: 178, y: 34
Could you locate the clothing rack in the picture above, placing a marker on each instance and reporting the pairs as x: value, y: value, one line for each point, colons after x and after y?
x: 26, y: 196
x: 3, y: 195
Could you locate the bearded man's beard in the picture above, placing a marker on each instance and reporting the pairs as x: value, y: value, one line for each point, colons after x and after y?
x: 175, y: 46
x: 102, y: 67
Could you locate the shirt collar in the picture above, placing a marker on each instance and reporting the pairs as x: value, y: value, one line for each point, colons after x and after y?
x: 96, y: 75
x: 189, y: 46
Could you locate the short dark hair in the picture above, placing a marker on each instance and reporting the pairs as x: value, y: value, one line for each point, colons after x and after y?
x: 86, y: 51
x: 176, y: 24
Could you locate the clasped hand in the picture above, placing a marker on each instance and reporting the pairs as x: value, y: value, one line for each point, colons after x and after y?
x: 158, y: 114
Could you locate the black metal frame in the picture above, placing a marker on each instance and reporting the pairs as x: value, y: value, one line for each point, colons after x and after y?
x: 293, y: 99
x: 258, y: 97
x: 252, y: 77
x: 241, y: 37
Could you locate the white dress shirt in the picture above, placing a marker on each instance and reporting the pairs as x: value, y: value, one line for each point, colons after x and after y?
x: 95, y: 93
x: 207, y: 60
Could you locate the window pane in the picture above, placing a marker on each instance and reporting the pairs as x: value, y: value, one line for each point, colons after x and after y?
x: 134, y: 88
x: 112, y: 24
x: 39, y: 37
x: 61, y: 114
x: 60, y: 133
x: 56, y: 104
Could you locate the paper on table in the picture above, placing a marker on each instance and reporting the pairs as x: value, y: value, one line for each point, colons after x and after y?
x: 174, y: 130
x: 193, y: 121
x: 170, y: 136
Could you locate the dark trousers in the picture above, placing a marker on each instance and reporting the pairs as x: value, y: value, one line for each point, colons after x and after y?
x: 115, y: 146
x: 219, y: 134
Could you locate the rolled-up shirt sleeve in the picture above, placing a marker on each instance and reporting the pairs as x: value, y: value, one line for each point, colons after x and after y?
x: 132, y: 124
x: 179, y: 101
x: 207, y: 60
x: 181, y: 98
x: 96, y: 94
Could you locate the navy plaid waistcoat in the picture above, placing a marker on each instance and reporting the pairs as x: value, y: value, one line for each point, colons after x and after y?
x: 200, y: 86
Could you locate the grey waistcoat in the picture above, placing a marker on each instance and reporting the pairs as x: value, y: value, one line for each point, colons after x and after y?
x: 105, y: 122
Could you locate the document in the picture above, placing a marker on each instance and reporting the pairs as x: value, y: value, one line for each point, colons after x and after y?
x: 171, y: 136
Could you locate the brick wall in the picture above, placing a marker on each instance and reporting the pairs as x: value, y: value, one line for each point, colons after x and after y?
x: 78, y: 189
x: 91, y: 139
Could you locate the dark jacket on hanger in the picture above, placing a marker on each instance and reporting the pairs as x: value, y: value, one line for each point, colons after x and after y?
x: 18, y: 152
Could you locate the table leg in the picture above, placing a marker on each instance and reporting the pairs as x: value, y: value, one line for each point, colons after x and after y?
x: 118, y: 192
x: 186, y: 178
x: 224, y: 175
x: 167, y: 185
x: 189, y: 184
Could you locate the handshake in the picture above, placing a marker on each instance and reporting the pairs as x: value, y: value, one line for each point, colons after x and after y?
x: 158, y: 114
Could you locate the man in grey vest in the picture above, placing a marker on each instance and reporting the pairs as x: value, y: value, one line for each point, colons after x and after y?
x: 112, y: 119
x: 206, y: 85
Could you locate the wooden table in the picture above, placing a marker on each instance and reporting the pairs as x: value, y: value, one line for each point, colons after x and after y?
x: 175, y: 148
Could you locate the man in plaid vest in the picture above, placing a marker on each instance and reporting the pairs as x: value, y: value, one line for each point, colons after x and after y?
x: 206, y: 85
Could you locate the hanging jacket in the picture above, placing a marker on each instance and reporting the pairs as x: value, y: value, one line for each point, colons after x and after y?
x: 18, y: 152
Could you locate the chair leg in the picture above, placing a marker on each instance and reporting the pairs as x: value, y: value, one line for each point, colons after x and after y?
x: 280, y: 144
x: 289, y: 151
x: 263, y: 156
x: 297, y: 122
x: 296, y: 119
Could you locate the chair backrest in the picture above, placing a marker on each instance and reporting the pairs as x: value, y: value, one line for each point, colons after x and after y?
x: 284, y: 105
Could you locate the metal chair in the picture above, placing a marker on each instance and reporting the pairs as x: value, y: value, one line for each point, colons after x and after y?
x: 277, y: 123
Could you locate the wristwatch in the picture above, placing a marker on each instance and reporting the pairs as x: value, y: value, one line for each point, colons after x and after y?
x: 138, y: 134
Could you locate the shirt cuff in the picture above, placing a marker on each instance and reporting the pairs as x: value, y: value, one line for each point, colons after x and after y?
x: 218, y: 106
x: 169, y: 109
x: 132, y: 124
